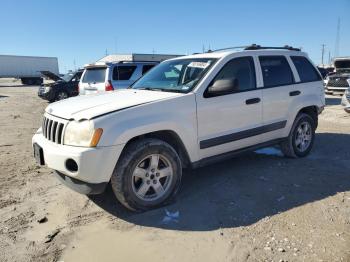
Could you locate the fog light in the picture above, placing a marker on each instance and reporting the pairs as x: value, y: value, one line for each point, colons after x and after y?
x: 71, y: 165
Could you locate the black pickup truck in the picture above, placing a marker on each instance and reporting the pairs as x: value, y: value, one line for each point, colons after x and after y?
x: 62, y: 87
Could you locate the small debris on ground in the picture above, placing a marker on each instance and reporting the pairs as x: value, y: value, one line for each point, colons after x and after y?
x: 51, y: 236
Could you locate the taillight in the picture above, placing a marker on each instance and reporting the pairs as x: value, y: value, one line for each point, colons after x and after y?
x: 109, y: 86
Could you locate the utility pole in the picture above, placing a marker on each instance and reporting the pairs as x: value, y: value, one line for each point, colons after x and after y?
x: 337, y: 40
x: 329, y: 57
x: 323, y: 45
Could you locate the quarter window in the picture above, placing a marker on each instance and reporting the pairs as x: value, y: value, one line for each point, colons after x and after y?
x: 123, y: 72
x: 307, y: 72
x: 276, y: 71
x: 242, y: 69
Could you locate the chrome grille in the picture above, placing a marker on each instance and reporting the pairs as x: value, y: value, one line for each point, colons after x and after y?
x: 53, y: 130
x: 338, y: 82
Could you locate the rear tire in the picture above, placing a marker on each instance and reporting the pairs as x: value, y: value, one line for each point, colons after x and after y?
x: 301, y: 137
x: 147, y: 175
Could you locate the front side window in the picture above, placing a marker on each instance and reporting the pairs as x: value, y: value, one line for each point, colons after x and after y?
x: 180, y: 75
x: 242, y: 70
x: 123, y: 72
x: 276, y: 71
x: 307, y: 72
x: 94, y: 75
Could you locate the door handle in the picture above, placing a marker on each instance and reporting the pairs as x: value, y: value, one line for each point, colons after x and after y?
x: 294, y: 93
x: 252, y: 101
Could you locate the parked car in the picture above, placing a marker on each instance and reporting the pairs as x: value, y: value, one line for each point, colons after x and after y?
x: 339, y: 81
x: 346, y: 100
x: 185, y: 113
x: 63, y: 87
x: 107, y: 76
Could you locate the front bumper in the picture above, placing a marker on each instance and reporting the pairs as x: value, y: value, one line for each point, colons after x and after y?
x: 46, y: 95
x: 95, y: 165
x: 335, y: 90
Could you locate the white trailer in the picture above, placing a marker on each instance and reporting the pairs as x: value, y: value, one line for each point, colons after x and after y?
x: 27, y: 68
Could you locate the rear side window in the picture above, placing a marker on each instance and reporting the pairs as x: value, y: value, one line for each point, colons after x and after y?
x: 123, y: 72
x: 242, y: 69
x: 276, y: 71
x: 307, y: 72
x: 94, y: 75
x: 146, y: 68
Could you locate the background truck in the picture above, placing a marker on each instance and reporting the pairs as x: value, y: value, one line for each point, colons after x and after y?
x: 27, y: 68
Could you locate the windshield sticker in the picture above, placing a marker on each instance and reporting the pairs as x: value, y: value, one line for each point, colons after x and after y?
x: 199, y: 64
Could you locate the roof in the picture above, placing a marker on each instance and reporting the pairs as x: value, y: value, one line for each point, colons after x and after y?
x: 227, y: 52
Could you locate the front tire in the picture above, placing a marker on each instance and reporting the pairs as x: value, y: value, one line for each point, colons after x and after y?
x: 147, y: 175
x: 61, y: 95
x: 301, y: 137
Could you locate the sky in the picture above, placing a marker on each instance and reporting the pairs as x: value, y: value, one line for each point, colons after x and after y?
x: 80, y: 32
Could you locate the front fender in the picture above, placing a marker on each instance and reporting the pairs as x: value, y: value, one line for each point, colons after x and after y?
x: 177, y: 115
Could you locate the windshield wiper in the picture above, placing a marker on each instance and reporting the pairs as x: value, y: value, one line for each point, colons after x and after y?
x: 161, y: 89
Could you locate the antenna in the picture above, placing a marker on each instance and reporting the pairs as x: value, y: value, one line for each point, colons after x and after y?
x: 337, y: 40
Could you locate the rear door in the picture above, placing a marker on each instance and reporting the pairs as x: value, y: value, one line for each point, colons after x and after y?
x: 278, y: 94
x: 123, y: 76
x: 93, y: 80
x: 310, y: 81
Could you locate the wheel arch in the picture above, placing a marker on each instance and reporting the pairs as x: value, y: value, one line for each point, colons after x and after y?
x: 311, y: 111
x: 170, y: 137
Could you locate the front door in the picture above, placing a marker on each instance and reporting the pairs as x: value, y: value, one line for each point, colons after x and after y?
x: 231, y: 121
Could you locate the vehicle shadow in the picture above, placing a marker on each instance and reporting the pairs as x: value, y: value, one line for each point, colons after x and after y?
x: 333, y: 101
x: 246, y: 189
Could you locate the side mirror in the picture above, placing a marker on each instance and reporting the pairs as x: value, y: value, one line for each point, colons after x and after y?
x: 223, y: 87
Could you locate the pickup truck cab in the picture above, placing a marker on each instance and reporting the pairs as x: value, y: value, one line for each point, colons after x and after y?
x: 185, y: 113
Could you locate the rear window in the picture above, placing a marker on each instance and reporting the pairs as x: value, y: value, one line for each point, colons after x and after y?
x: 123, y: 72
x: 94, y: 75
x: 307, y: 72
x: 276, y: 71
x: 146, y: 68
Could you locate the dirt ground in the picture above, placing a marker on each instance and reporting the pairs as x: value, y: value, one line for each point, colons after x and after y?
x: 256, y: 207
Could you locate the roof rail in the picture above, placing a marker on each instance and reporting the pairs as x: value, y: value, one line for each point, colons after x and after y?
x: 258, y: 47
x: 135, y: 61
x: 226, y: 48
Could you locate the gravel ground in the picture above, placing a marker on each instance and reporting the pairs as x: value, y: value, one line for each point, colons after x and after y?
x: 256, y: 207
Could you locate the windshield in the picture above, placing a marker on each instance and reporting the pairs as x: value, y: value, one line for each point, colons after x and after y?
x: 94, y: 75
x: 67, y: 77
x: 180, y: 75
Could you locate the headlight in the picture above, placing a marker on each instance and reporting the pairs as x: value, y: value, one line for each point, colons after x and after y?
x: 82, y: 134
x: 348, y: 80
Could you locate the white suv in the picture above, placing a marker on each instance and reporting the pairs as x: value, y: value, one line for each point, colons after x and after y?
x: 107, y: 76
x: 185, y: 113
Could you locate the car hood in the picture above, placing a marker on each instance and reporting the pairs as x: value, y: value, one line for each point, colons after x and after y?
x: 51, y: 75
x: 90, y: 106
